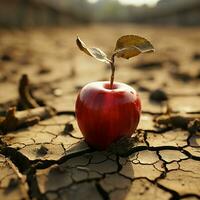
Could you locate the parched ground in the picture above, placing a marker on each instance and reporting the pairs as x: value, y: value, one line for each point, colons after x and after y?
x: 46, y: 156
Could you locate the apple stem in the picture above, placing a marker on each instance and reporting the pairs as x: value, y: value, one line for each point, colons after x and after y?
x: 113, y: 71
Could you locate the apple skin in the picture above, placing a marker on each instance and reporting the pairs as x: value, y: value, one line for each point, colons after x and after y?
x: 105, y: 115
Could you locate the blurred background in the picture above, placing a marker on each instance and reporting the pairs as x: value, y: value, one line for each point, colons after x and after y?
x: 37, y: 38
x: 20, y: 13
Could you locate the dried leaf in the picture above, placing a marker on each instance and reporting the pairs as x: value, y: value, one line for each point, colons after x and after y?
x: 96, y: 53
x: 129, y: 46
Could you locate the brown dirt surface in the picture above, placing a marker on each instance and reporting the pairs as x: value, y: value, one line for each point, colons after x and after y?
x: 44, y: 155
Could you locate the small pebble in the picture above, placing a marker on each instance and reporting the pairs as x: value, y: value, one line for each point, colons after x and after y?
x: 42, y: 150
x: 158, y: 96
x: 57, y: 92
x: 68, y: 128
x: 6, y: 57
x: 196, y: 56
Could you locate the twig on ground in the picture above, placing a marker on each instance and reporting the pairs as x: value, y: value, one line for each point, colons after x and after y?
x: 20, y: 119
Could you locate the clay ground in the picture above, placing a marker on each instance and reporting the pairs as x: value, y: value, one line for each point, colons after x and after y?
x: 48, y: 159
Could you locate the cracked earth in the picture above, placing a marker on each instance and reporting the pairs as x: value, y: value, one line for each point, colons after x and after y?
x: 47, y: 158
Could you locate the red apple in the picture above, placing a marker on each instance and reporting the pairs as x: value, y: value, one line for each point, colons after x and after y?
x: 104, y: 115
x: 107, y: 111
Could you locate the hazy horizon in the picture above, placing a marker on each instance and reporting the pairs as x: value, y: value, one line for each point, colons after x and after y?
x: 134, y: 2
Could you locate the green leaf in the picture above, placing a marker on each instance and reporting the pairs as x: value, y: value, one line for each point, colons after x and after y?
x: 96, y: 53
x: 129, y: 46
